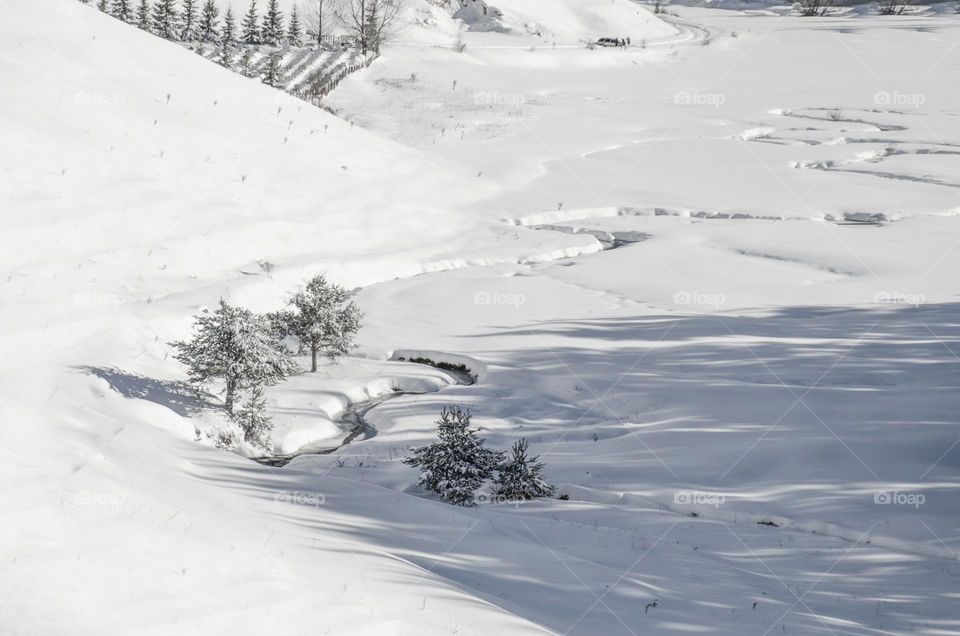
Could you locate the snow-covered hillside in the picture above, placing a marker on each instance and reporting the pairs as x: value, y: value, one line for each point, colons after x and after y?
x: 711, y: 278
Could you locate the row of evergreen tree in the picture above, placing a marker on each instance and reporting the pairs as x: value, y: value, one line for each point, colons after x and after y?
x: 193, y: 22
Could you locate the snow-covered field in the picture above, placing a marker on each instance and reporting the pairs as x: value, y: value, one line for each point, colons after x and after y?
x: 712, y: 278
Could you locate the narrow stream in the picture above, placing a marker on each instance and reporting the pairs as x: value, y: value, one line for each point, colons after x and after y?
x: 353, y: 419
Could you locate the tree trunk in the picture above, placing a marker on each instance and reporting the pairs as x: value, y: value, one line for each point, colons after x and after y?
x: 313, y: 357
x: 231, y: 390
x: 320, y: 23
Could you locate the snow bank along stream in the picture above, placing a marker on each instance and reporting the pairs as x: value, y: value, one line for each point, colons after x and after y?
x: 352, y: 417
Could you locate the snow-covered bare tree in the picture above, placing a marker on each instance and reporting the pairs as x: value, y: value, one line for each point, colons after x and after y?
x: 250, y: 33
x: 294, y: 31
x: 189, y: 22
x: 811, y: 8
x: 165, y: 21
x: 519, y: 477
x: 893, y: 7
x: 143, y: 16
x: 272, y: 30
x: 209, y: 22
x: 373, y: 22
x: 253, y: 419
x: 318, y: 18
x: 236, y: 346
x: 322, y: 318
x: 456, y: 465
x: 122, y: 10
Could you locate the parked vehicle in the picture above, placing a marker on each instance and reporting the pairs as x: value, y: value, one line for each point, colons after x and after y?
x: 608, y: 42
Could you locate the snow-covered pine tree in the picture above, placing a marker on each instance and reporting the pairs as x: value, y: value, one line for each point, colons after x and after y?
x: 209, y: 18
x: 143, y: 16
x: 519, y: 477
x: 229, y: 36
x: 122, y: 10
x: 104, y: 5
x: 246, y: 63
x: 225, y: 59
x: 457, y: 464
x: 237, y: 346
x: 272, y: 31
x: 322, y: 318
x: 165, y: 19
x: 189, y: 23
x: 294, y: 32
x: 253, y: 419
x: 272, y: 72
x: 250, y: 33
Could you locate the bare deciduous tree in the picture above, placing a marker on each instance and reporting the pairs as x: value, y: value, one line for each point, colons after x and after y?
x: 813, y: 7
x: 893, y: 7
x: 318, y: 16
x: 373, y: 22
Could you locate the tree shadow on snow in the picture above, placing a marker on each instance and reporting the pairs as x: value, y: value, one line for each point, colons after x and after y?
x: 180, y: 397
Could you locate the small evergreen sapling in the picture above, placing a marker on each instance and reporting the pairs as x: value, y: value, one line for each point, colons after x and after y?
x: 253, y: 419
x: 519, y: 478
x: 246, y: 67
x: 236, y: 346
x: 456, y: 465
x: 225, y: 59
x: 272, y: 71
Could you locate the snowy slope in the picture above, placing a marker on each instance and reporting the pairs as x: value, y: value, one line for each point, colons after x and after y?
x: 140, y: 182
x: 722, y: 399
